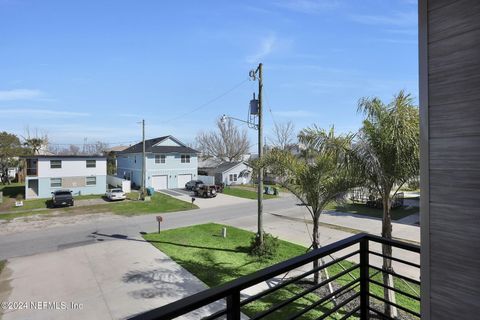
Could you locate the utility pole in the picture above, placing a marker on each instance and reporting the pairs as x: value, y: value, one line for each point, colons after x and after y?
x: 260, y: 155
x: 143, y: 158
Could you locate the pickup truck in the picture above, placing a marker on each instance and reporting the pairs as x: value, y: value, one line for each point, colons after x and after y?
x: 62, y: 198
x: 206, y: 191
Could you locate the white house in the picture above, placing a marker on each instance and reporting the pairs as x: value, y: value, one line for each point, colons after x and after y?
x: 168, y: 163
x: 80, y: 174
x: 231, y: 173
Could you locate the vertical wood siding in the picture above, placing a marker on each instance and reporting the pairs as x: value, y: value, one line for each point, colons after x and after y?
x: 454, y: 158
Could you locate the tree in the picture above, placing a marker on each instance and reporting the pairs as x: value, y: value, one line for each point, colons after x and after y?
x: 73, y: 150
x: 34, y: 141
x: 98, y: 148
x: 227, y: 143
x: 111, y: 162
x: 283, y: 135
x: 10, y: 150
x: 318, y: 177
x: 387, y: 156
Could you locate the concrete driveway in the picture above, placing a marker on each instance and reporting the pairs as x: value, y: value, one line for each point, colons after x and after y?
x: 106, y: 280
x: 219, y: 201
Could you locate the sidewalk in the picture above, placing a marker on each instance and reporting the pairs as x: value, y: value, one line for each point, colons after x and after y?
x: 401, y: 229
x: 105, y: 280
x: 281, y: 224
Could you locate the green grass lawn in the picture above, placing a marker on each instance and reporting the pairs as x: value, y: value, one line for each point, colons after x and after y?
x: 160, y: 203
x: 245, y: 192
x: 215, y: 260
x: 361, y: 209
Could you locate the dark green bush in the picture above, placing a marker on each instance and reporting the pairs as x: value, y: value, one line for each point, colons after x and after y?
x: 266, y: 250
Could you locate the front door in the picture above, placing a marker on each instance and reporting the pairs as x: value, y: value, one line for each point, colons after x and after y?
x: 32, y: 188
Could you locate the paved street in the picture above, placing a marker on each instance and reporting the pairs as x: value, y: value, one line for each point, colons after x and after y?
x: 103, y: 254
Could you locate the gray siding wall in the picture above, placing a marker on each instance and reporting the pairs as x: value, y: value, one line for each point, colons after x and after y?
x: 450, y: 102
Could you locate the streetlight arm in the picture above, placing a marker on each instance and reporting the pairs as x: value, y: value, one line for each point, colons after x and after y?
x: 225, y: 117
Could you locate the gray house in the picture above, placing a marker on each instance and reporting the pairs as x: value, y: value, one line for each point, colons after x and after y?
x: 169, y: 163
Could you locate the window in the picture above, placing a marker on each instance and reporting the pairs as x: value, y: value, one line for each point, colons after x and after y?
x: 91, y: 163
x: 159, y: 158
x: 55, y: 164
x: 233, y: 177
x: 91, y: 181
x: 243, y: 174
x: 185, y: 158
x: 55, y: 182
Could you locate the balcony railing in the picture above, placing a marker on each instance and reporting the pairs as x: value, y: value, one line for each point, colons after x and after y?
x: 351, y: 299
x: 32, y: 171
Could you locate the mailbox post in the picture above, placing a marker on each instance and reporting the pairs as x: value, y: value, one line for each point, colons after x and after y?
x: 159, y: 220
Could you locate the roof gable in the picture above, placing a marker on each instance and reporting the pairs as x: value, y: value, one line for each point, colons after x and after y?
x: 169, y: 142
x: 154, y: 145
x: 226, y: 166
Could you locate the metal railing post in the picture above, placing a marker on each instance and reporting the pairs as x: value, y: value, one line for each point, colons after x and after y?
x: 364, y: 280
x: 233, y: 306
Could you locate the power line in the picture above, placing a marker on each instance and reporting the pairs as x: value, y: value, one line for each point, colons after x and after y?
x: 203, y: 105
x: 92, y: 143
x: 270, y: 109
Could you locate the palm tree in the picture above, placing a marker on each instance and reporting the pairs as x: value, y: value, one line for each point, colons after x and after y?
x: 387, y: 155
x: 34, y: 144
x: 316, y: 177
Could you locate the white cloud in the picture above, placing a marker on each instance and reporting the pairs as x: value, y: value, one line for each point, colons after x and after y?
x: 293, y: 113
x: 308, y: 6
x: 267, y: 46
x: 41, y: 113
x: 20, y: 94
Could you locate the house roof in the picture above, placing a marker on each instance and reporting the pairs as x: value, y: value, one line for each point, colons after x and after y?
x: 116, y: 148
x: 150, y: 146
x: 94, y: 156
x: 208, y: 163
x: 225, y: 166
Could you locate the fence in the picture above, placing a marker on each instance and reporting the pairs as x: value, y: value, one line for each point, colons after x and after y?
x: 207, y: 179
x: 358, y: 294
x: 119, y: 183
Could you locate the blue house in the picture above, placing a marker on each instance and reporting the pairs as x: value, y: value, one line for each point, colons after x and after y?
x: 168, y: 163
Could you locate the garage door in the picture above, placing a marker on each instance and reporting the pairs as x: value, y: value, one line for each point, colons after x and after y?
x: 159, y: 182
x: 182, y: 179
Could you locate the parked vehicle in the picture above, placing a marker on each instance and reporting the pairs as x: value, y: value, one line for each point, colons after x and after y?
x: 206, y: 191
x: 220, y: 187
x: 62, y: 198
x: 115, y: 194
x: 193, y: 184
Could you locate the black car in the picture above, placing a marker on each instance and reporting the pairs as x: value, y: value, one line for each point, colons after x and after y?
x: 62, y: 198
x: 193, y: 184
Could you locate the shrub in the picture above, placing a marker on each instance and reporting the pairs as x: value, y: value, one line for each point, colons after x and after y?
x: 267, y: 250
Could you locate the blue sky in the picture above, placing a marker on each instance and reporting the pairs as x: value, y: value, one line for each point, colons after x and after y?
x: 77, y: 69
